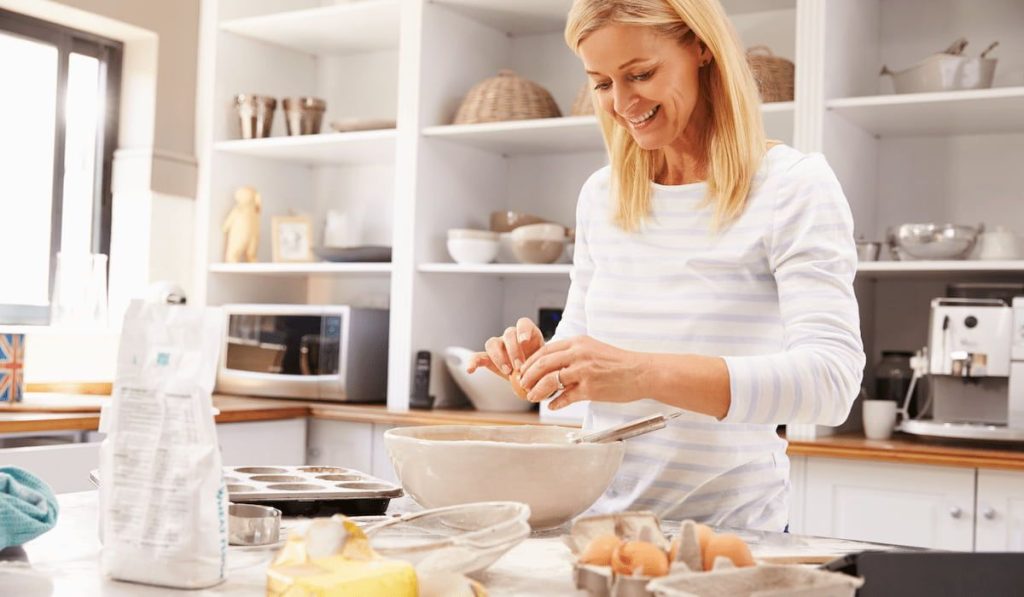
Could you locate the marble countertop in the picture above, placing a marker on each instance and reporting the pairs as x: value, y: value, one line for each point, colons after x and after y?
x: 65, y: 561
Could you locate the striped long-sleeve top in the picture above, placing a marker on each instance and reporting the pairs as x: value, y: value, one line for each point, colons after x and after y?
x: 772, y: 294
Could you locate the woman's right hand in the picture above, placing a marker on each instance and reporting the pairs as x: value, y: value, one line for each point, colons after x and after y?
x: 507, y: 353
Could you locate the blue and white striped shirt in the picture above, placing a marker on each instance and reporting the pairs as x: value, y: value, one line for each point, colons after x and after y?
x: 772, y: 294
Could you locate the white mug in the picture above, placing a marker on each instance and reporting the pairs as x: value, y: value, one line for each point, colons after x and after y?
x: 879, y: 418
x: 998, y: 243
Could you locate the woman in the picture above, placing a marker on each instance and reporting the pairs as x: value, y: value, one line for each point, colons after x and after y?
x: 713, y: 273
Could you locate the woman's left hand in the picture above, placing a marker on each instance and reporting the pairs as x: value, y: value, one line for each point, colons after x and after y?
x: 588, y: 369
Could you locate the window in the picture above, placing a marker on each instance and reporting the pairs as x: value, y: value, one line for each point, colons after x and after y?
x: 57, y: 138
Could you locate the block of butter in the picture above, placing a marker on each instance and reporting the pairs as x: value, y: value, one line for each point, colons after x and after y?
x: 333, y: 558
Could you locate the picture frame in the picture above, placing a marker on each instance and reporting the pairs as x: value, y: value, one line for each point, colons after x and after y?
x: 291, y: 239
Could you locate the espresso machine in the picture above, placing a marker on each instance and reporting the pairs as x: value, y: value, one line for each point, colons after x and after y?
x: 974, y: 367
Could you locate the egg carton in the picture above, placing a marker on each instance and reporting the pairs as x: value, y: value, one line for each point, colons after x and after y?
x: 686, y: 577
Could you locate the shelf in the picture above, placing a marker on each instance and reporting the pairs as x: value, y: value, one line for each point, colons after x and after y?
x: 364, y: 26
x: 542, y: 135
x: 362, y: 147
x: 999, y: 110
x: 566, y: 134
x: 778, y: 120
x: 893, y: 269
x: 526, y: 17
x: 499, y: 269
x: 520, y: 17
x: 301, y: 269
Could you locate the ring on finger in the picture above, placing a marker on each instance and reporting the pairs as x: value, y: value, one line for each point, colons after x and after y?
x: 558, y: 380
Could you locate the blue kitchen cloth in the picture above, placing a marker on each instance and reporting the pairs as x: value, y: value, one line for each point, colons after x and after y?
x: 27, y: 506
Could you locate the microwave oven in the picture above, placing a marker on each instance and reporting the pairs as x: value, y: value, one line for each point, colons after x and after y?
x: 314, y: 352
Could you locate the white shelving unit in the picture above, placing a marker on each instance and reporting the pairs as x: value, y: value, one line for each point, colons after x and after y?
x: 498, y: 269
x: 946, y: 113
x: 300, y: 269
x: 362, y: 147
x: 901, y: 158
x: 356, y: 27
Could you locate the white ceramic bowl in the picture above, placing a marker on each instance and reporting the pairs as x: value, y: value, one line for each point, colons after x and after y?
x: 444, y: 465
x: 472, y: 250
x: 485, y: 390
x: 539, y: 232
x: 472, y: 233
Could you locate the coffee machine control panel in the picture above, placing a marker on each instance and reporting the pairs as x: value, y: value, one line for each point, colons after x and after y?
x: 1017, y: 347
x: 971, y: 338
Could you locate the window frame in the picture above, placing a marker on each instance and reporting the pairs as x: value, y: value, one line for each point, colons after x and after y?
x: 109, y: 53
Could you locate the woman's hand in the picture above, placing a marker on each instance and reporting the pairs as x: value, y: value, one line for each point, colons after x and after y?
x: 587, y: 369
x: 508, y: 352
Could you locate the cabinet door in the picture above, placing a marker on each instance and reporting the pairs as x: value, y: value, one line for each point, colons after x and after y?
x: 1000, y: 520
x: 382, y: 466
x: 64, y: 468
x: 797, y: 493
x: 341, y: 443
x: 263, y: 442
x: 919, y: 505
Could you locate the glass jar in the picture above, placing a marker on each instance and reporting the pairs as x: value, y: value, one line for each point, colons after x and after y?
x: 893, y: 375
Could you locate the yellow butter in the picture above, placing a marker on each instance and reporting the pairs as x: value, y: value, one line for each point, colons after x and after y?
x: 354, y: 571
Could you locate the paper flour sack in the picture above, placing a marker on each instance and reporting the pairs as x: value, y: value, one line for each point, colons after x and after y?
x: 163, y: 503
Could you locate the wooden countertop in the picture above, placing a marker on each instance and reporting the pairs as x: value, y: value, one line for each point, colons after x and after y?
x: 900, y: 449
x: 909, y: 449
x: 233, y: 409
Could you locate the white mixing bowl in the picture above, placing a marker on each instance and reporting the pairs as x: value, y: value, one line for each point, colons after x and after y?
x: 444, y: 465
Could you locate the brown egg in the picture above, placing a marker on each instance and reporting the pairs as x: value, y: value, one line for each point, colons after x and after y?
x: 729, y: 546
x: 640, y: 557
x: 516, y: 386
x: 704, y: 533
x: 599, y: 550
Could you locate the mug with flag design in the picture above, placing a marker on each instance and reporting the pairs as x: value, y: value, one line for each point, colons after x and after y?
x: 12, y: 364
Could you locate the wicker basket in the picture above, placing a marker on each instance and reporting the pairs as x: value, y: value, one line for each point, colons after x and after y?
x: 583, y: 105
x: 506, y: 97
x: 774, y: 74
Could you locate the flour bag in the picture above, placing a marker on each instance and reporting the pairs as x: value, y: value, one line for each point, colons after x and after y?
x: 163, y: 504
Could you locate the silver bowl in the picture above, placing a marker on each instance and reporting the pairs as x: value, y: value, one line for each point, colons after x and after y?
x: 932, y: 241
x: 868, y: 250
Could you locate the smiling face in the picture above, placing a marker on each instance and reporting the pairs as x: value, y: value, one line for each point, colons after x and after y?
x: 648, y: 82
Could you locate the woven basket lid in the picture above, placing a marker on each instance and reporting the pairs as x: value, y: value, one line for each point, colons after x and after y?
x: 583, y: 105
x: 506, y: 97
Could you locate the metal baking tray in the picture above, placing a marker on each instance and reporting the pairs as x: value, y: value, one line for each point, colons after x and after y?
x: 307, y: 490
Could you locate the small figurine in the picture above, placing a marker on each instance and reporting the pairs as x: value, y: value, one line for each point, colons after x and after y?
x: 243, y: 227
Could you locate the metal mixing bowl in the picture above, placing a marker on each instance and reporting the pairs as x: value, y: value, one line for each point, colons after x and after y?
x: 932, y: 241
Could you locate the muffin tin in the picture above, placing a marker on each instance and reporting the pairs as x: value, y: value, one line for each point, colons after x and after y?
x: 310, y: 490
x: 307, y: 490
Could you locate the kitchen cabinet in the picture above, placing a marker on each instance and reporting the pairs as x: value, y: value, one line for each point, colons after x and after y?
x: 1000, y: 512
x: 924, y: 506
x: 341, y: 443
x: 64, y: 467
x: 381, y: 463
x: 263, y: 442
x: 797, y: 491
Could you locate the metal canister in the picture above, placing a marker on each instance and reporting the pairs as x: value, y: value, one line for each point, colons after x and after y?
x: 303, y: 115
x: 255, y: 114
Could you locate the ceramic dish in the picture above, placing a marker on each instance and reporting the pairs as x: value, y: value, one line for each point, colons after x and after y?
x: 485, y: 390
x: 445, y: 465
x: 348, y: 125
x: 366, y: 253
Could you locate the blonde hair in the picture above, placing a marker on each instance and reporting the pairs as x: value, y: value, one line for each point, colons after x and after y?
x: 734, y: 135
